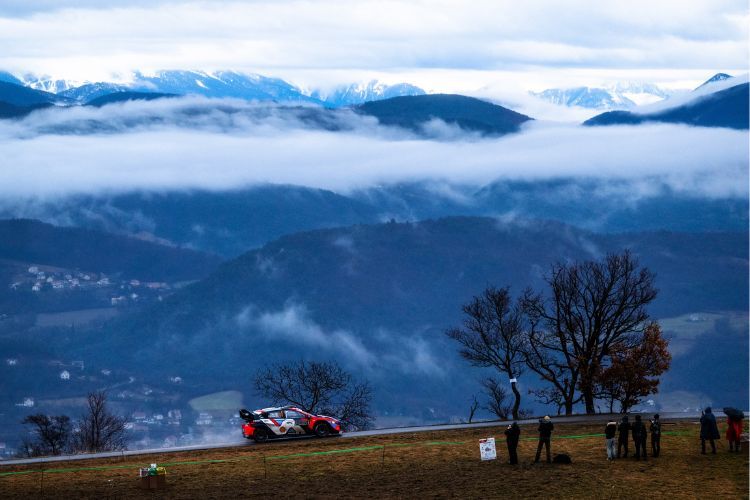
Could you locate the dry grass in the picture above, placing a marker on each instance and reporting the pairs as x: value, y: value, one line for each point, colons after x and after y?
x: 420, y: 465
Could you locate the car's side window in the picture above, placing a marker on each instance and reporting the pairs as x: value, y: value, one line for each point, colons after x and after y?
x: 293, y: 414
x: 275, y: 414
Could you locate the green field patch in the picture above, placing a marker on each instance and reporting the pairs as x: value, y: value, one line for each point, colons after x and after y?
x: 218, y: 401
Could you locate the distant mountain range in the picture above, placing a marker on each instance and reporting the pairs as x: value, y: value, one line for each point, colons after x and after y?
x: 619, y: 96
x: 357, y: 93
x: 219, y: 84
x: 231, y: 222
x: 723, y: 108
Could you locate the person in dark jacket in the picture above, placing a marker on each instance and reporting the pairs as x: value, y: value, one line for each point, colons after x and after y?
x: 545, y: 436
x: 709, y: 431
x: 640, y: 435
x: 622, y: 438
x: 512, y: 434
x: 655, y: 436
x: 610, y: 431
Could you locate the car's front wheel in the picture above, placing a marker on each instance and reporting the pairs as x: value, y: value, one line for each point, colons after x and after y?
x: 322, y: 429
x: 260, y: 435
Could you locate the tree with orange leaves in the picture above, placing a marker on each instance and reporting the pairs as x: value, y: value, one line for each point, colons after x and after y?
x: 633, y: 373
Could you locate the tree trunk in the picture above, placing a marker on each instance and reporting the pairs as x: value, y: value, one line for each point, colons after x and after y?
x: 589, y: 400
x: 568, y: 408
x: 517, y: 402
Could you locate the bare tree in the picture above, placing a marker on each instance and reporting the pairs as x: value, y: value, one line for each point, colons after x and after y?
x: 496, y: 396
x: 473, y: 407
x: 99, y: 429
x: 595, y: 308
x: 52, y: 434
x: 318, y: 388
x: 554, y: 365
x: 492, y: 335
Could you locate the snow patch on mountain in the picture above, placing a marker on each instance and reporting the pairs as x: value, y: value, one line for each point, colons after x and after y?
x: 358, y: 93
x: 621, y: 95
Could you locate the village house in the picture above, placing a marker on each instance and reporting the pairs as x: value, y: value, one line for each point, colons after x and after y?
x: 174, y: 417
x: 204, y: 419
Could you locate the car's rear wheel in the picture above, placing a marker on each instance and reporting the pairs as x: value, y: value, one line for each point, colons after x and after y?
x: 322, y: 429
x: 260, y: 435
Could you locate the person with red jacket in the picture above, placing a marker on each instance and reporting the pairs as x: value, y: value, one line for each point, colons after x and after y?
x: 734, y: 431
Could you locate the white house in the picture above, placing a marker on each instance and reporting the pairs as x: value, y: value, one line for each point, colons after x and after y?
x: 204, y: 419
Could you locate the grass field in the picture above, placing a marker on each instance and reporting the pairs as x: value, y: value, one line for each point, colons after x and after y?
x: 418, y: 465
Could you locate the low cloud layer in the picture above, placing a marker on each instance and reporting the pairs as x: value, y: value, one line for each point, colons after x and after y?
x: 179, y: 144
x: 382, y: 351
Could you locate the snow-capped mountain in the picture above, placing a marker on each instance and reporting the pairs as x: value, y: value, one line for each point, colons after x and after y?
x: 718, y: 77
x: 48, y: 83
x: 90, y: 91
x: 358, y: 93
x: 220, y: 84
x: 622, y: 95
x: 217, y: 84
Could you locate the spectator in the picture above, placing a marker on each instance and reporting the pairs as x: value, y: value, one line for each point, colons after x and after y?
x: 545, y: 436
x: 734, y: 432
x: 622, y: 439
x: 709, y: 430
x: 639, y: 438
x: 512, y: 434
x: 655, y: 436
x: 610, y: 430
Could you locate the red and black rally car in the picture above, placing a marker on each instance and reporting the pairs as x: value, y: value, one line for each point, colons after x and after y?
x: 286, y: 421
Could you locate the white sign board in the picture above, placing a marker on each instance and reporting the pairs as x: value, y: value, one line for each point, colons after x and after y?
x: 487, y: 449
x: 513, y: 380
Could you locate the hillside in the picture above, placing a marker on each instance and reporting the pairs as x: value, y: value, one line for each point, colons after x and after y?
x: 18, y: 95
x: 725, y: 108
x: 124, y: 96
x: 468, y: 113
x: 232, y: 222
x: 36, y: 242
x: 387, y: 292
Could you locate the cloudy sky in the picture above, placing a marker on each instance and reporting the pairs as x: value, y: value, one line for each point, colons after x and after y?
x: 442, y: 45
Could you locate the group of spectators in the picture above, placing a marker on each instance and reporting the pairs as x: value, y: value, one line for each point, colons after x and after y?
x: 640, y: 436
x: 617, y: 436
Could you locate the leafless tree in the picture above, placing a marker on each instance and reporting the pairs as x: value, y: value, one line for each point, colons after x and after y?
x: 496, y: 396
x: 52, y: 434
x: 594, y: 308
x: 318, y: 388
x: 492, y: 335
x: 99, y: 429
x: 473, y: 407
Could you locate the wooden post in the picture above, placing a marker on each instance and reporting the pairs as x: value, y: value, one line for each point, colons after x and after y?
x: 382, y: 460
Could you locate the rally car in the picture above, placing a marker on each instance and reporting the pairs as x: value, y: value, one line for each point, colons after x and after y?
x: 286, y: 421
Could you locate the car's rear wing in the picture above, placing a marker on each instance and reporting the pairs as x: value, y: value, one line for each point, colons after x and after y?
x: 247, y: 415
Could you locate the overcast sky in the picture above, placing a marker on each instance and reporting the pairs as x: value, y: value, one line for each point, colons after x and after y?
x: 444, y: 45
